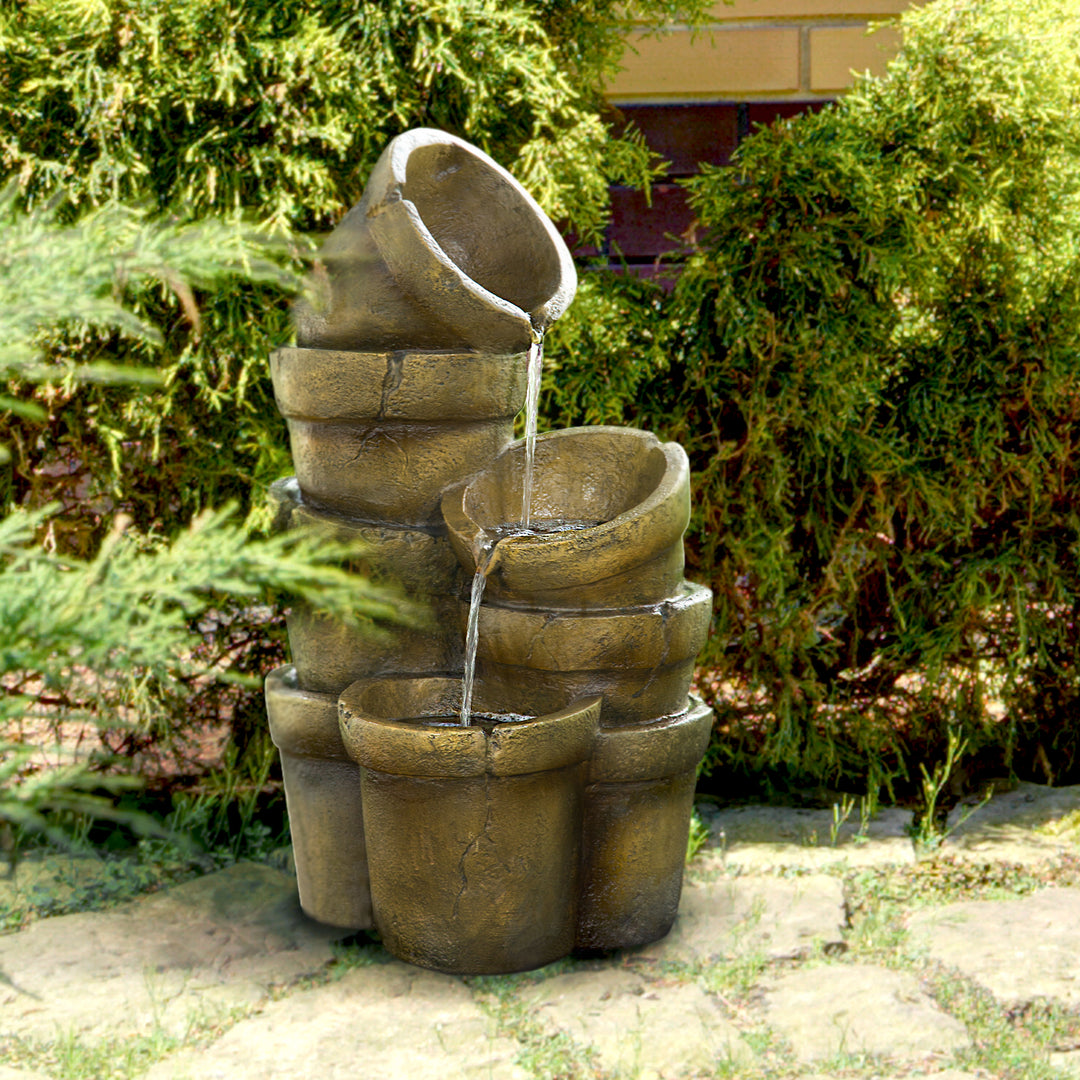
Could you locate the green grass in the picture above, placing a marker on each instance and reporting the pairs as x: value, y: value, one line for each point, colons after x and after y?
x: 74, y: 1057
x: 1012, y: 1047
x: 198, y: 835
x: 66, y: 884
x: 546, y: 1053
x: 1010, y: 1044
x: 947, y: 878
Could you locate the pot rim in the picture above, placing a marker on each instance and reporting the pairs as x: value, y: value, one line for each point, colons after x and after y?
x: 302, y: 722
x: 673, y: 630
x: 664, y: 748
x: 340, y: 385
x: 406, y: 746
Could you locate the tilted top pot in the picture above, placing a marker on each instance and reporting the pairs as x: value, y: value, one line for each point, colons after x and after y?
x: 444, y: 250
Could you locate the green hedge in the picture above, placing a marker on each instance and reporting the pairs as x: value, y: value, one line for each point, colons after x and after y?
x: 274, y: 111
x: 108, y: 640
x: 873, y: 360
x: 871, y: 357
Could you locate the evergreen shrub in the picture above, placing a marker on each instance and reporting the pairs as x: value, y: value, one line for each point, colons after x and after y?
x: 873, y: 360
x: 272, y: 114
x: 104, y: 640
x: 276, y: 111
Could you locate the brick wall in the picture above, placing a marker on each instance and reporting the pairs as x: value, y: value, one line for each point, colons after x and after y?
x: 696, y: 94
x: 759, y: 49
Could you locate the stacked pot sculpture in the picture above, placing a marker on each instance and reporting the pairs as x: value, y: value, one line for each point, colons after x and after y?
x: 558, y: 817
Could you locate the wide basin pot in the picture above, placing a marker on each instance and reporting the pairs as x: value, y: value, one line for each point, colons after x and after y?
x: 473, y: 833
x: 625, y: 496
x: 322, y: 796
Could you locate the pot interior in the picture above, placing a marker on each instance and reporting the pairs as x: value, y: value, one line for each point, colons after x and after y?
x: 483, y: 223
x: 582, y: 478
x: 436, y: 701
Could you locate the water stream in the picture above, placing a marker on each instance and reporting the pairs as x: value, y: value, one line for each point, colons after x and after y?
x: 532, y: 402
x: 472, y: 632
x: 486, y: 551
x: 487, y: 547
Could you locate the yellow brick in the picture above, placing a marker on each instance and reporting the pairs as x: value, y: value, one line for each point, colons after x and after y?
x: 835, y: 53
x: 753, y: 10
x: 801, y: 9
x: 723, y: 62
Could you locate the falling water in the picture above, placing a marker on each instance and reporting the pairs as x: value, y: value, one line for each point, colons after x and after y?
x: 486, y: 550
x: 472, y: 632
x: 532, y: 401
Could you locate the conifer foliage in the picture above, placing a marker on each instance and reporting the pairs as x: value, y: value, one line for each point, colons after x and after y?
x: 276, y: 112
x: 107, y: 640
x: 164, y: 169
x: 874, y: 363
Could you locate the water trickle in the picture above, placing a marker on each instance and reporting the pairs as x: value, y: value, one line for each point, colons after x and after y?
x: 484, y: 553
x: 532, y: 402
x: 472, y: 632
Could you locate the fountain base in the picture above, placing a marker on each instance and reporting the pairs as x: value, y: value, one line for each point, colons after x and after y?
x: 473, y: 833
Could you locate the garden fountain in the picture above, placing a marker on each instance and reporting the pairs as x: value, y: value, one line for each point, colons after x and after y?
x: 555, y: 816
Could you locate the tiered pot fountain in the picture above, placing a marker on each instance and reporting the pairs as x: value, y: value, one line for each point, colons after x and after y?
x: 555, y: 814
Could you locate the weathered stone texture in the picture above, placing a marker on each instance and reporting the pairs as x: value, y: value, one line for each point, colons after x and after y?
x: 383, y: 1022
x: 777, y: 917
x: 1019, y: 949
x: 642, y: 1029
x: 859, y: 1008
x: 219, y: 941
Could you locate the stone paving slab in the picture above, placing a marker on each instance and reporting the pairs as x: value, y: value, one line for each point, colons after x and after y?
x: 763, y: 837
x: 1019, y: 949
x: 9, y: 1073
x: 383, y: 1022
x: 859, y: 1008
x: 944, y: 1074
x: 238, y: 938
x: 644, y: 1029
x: 1030, y: 824
x: 1067, y: 1063
x: 778, y: 917
x: 218, y: 941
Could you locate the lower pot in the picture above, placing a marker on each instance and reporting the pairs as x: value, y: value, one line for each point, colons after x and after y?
x: 637, y: 818
x: 322, y: 795
x: 473, y: 833
x: 639, y: 659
